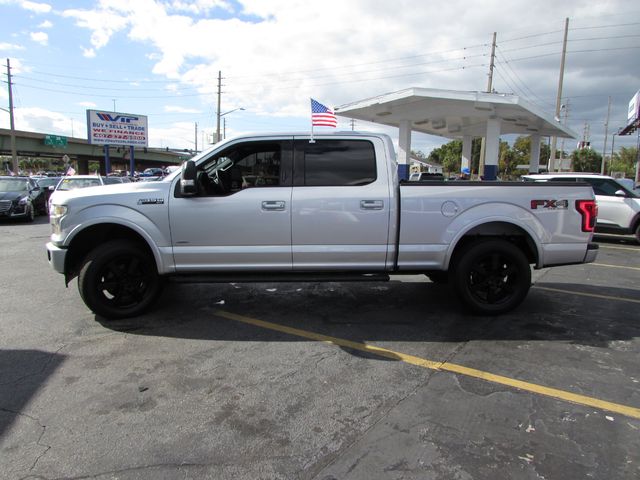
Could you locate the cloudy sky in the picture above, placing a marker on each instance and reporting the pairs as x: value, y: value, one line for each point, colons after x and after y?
x: 161, y: 58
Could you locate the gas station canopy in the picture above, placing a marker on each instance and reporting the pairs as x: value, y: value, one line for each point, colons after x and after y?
x: 454, y: 114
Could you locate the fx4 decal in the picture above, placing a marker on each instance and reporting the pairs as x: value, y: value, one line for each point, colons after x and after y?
x: 550, y: 204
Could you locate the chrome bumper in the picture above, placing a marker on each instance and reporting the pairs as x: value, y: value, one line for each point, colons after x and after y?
x: 592, y: 252
x: 56, y: 257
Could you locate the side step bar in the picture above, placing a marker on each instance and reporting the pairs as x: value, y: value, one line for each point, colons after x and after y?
x: 278, y: 277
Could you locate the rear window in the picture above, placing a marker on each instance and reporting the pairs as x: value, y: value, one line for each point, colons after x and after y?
x: 338, y: 162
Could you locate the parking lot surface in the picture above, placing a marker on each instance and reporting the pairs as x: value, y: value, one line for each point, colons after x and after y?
x: 320, y: 381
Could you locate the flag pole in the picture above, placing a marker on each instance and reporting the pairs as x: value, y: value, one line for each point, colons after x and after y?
x: 311, y: 140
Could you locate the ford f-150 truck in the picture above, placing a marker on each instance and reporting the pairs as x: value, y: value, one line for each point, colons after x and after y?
x: 278, y: 207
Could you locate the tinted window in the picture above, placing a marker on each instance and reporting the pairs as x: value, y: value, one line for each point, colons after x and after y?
x: 248, y: 165
x: 338, y: 162
x: 603, y: 186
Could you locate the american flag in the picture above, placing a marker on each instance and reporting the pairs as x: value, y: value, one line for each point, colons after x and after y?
x: 322, y: 116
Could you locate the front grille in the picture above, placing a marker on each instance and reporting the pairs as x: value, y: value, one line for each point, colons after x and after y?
x: 5, y: 206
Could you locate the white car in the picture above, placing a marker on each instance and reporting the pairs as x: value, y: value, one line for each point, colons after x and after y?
x: 73, y: 182
x: 618, y: 206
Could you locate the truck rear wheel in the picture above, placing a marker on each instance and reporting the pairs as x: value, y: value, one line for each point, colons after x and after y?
x: 118, y: 279
x: 492, y: 276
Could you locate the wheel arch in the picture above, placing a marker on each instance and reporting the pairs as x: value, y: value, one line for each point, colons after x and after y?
x: 502, y: 229
x: 94, y: 235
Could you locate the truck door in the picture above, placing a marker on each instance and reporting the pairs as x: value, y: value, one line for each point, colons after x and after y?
x: 240, y: 219
x: 340, y: 205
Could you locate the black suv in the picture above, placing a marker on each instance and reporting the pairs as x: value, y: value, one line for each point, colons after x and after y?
x: 20, y: 197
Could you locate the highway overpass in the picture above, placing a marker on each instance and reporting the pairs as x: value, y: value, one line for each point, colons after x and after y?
x: 80, y: 152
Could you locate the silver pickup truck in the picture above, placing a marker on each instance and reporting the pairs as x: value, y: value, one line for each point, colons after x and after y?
x: 282, y: 207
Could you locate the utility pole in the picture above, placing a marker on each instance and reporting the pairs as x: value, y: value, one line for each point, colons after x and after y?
x: 554, y: 140
x: 218, y: 113
x: 353, y: 124
x: 14, y: 154
x: 483, y: 145
x: 196, y: 137
x: 565, y: 107
x: 606, y: 133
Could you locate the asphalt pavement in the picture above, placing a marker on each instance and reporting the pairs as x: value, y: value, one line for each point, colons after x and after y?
x: 320, y: 380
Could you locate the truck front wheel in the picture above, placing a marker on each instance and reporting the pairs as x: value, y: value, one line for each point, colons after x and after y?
x: 118, y: 279
x: 492, y: 276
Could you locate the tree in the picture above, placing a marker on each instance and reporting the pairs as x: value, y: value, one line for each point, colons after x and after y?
x: 625, y: 161
x: 449, y: 155
x: 586, y: 160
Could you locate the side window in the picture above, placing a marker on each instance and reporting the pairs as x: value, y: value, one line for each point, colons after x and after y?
x: 335, y: 163
x: 603, y: 186
x: 248, y: 165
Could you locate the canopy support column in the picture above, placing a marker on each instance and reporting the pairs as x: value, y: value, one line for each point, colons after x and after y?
x: 492, y: 149
x: 467, y: 141
x: 534, y: 161
x: 404, y: 150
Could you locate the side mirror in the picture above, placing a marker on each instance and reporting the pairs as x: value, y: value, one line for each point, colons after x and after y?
x: 620, y: 193
x: 52, y: 188
x: 188, y: 185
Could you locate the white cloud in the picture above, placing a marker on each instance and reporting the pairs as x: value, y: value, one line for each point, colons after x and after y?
x: 37, y: 119
x: 88, y: 52
x: 102, y: 22
x: 36, y: 7
x: 340, y: 52
x: 45, y: 24
x: 87, y: 104
x: 10, y: 46
x: 178, y: 109
x: 198, y: 7
x: 40, y: 37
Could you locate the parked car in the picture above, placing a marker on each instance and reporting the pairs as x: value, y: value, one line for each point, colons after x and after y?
x: 48, y: 185
x: 618, y: 207
x: 21, y: 197
x: 73, y: 182
x: 152, y: 172
x: 425, y: 176
x: 112, y: 180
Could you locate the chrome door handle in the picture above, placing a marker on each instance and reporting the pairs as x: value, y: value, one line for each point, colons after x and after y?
x: 277, y: 205
x: 371, y: 204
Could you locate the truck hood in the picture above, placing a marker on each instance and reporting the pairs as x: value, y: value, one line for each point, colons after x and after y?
x: 125, y: 193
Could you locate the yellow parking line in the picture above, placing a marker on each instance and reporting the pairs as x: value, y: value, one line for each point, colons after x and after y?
x: 615, y: 266
x: 440, y: 366
x: 619, y: 248
x: 585, y: 294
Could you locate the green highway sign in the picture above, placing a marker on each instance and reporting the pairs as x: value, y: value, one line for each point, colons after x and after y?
x: 55, y: 140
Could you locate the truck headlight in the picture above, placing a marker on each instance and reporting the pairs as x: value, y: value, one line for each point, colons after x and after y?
x: 58, y: 210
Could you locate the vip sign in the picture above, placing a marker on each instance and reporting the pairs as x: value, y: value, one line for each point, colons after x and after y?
x: 113, y: 128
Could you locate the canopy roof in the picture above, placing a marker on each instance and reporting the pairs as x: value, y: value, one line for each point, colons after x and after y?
x: 453, y: 114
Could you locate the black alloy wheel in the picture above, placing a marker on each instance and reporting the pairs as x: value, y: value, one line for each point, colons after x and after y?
x: 118, y: 279
x: 492, y: 276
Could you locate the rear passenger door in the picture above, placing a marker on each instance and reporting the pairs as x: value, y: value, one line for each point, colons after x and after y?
x: 340, y: 205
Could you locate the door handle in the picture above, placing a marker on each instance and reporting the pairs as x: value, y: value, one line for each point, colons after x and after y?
x: 371, y: 204
x: 277, y: 205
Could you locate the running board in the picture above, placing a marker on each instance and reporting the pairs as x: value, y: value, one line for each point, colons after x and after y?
x: 278, y: 277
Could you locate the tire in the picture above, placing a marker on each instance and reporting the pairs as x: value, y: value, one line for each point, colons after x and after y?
x: 637, y: 233
x: 492, y: 276
x: 31, y: 213
x: 119, y: 280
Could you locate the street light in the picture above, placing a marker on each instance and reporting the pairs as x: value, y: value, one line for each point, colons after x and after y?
x: 220, y: 115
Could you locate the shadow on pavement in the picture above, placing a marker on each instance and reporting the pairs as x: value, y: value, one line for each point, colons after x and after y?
x: 22, y: 374
x: 391, y: 311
